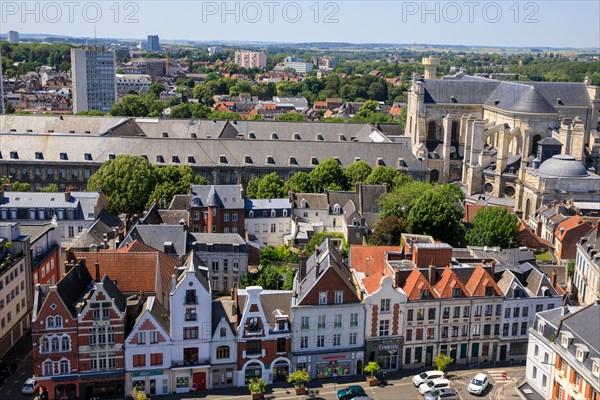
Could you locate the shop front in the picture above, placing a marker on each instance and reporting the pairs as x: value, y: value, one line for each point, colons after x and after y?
x: 222, y: 376
x: 60, y: 387
x: 186, y: 379
x: 154, y: 382
x: 331, y: 365
x: 102, y: 386
x: 385, y: 352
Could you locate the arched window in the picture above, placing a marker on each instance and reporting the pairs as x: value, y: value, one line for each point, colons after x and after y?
x: 223, y: 332
x: 337, y: 209
x: 50, y: 322
x: 54, y: 344
x: 273, y: 213
x: 222, y: 352
x: 251, y: 214
x: 285, y: 213
x: 45, y: 345
x: 355, y: 222
x: 58, y: 321
x: 64, y: 366
x: 534, y: 144
x: 304, y: 203
x: 48, y: 368
x: 65, y: 343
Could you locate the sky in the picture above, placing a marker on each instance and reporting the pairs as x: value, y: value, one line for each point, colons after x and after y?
x: 472, y: 23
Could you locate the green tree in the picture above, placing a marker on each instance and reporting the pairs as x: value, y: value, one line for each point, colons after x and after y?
x: 156, y: 89
x: 372, y: 367
x: 127, y: 182
x: 300, y: 182
x: 295, y: 117
x: 494, y: 226
x: 442, y: 361
x: 358, y: 171
x: 173, y: 180
x: 388, y: 232
x: 270, y: 187
x: 399, y: 201
x: 256, y: 117
x: 327, y: 173
x: 402, y: 117
x: 130, y: 106
x: 381, y: 175
x: 436, y: 215
x: 53, y: 187
x: 21, y: 187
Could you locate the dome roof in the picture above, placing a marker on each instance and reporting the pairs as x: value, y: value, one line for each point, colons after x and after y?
x: 562, y: 165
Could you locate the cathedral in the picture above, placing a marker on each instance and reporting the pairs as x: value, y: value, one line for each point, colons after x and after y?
x: 530, y: 142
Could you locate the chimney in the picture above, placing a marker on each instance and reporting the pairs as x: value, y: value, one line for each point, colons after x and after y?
x: 301, y: 267
x: 493, y: 268
x: 67, y: 196
x: 554, y: 278
x: 173, y: 282
x: 97, y: 268
x: 432, y: 275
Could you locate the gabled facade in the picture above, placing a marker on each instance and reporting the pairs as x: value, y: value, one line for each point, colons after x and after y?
x: 263, y: 334
x: 217, y: 208
x: 191, y: 328
x: 328, y: 316
x: 586, y: 279
x: 148, y: 350
x: 223, y: 346
x: 567, y: 235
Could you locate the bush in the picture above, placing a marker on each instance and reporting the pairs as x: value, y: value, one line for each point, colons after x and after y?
x: 299, y: 377
x: 257, y: 385
x: 372, y: 367
x: 442, y: 361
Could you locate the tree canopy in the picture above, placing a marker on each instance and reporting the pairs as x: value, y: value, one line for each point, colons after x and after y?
x: 171, y: 180
x: 358, y: 171
x: 494, y: 226
x: 435, y: 214
x: 388, y: 231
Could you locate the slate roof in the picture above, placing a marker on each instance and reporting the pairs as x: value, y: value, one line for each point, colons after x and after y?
x: 267, y: 204
x: 73, y: 285
x: 194, y: 264
x: 114, y: 293
x: 313, y: 200
x: 218, y: 238
x: 159, y: 312
x: 224, y: 196
x: 157, y: 235
x: 83, y: 203
x: 271, y: 301
x: 222, y: 308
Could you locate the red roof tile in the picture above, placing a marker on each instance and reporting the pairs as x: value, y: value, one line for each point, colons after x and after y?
x: 415, y: 283
x: 447, y: 283
x: 370, y: 259
x: 372, y: 283
x: 479, y: 280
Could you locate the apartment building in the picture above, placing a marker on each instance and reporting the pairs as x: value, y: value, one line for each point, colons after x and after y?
x: 328, y: 316
x: 45, y: 252
x: 586, y: 279
x: 267, y: 221
x: 250, y: 59
x: 217, y: 209
x: 93, y: 71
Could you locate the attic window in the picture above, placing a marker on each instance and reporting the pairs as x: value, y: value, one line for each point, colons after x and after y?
x: 88, y: 132
x: 342, y: 138
x: 50, y: 131
x: 274, y: 136
x: 14, y: 154
x: 424, y: 294
x: 191, y: 160
x: 111, y: 156
x: 297, y: 136
x: 175, y: 159
x: 193, y: 135
x: 145, y: 157
x: 39, y: 155
x: 402, y: 163
x: 251, y: 135
x: 314, y: 161
x: 380, y: 161
x: 270, y: 160
x: 320, y: 137
x: 356, y: 159
x: 453, y: 99
x: 160, y: 159
x: 247, y: 159
x: 338, y: 160
x: 456, y: 292
x: 489, y: 290
x: 293, y: 161
x: 71, y: 131
x: 559, y: 101
x: 222, y: 159
x: 165, y: 134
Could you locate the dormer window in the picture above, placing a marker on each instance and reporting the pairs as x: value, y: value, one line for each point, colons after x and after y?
x: 247, y: 159
x: 222, y: 159
x: 191, y: 160
x: 39, y: 155
x: 489, y: 290
x: 270, y: 160
x: 596, y: 368
x: 314, y: 161
x: 320, y: 137
x: 274, y: 136
x: 582, y: 352
x: 251, y: 214
x: 273, y: 213
x: 251, y: 135
x: 337, y: 209
x: 144, y: 156
x: 565, y: 339
x: 160, y: 159
x: 402, y: 163
x: 193, y: 135
x: 293, y: 161
x: 165, y: 134
x: 356, y: 159
x: 338, y: 160
x: 304, y: 203
x: 322, y: 298
x: 380, y: 162
x: 342, y: 138
x: 424, y: 294
x: 87, y: 156
x: 111, y: 156
x: 518, y: 292
x: 14, y: 155
x: 456, y: 292
x: 297, y: 136
x: 175, y: 159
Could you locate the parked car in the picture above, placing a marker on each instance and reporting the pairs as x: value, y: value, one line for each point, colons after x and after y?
x: 29, y: 387
x: 478, y: 384
x: 425, y: 377
x: 442, y: 394
x: 433, y: 384
x: 351, y: 392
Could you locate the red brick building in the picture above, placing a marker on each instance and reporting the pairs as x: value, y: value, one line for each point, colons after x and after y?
x: 45, y: 251
x: 217, y: 209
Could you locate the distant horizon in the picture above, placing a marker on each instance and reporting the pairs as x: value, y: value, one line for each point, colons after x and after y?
x: 521, y: 24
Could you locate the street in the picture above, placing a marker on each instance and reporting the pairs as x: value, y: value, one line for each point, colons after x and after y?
x: 11, y: 389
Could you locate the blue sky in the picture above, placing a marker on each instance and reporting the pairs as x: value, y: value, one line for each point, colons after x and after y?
x: 489, y: 23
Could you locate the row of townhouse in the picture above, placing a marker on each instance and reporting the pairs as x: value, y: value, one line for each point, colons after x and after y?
x: 563, y: 357
x: 336, y: 319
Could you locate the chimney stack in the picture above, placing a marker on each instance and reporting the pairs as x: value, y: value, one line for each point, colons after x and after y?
x: 493, y: 269
x: 432, y: 274
x: 301, y: 267
x: 97, y: 268
x: 67, y: 195
x: 554, y: 278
